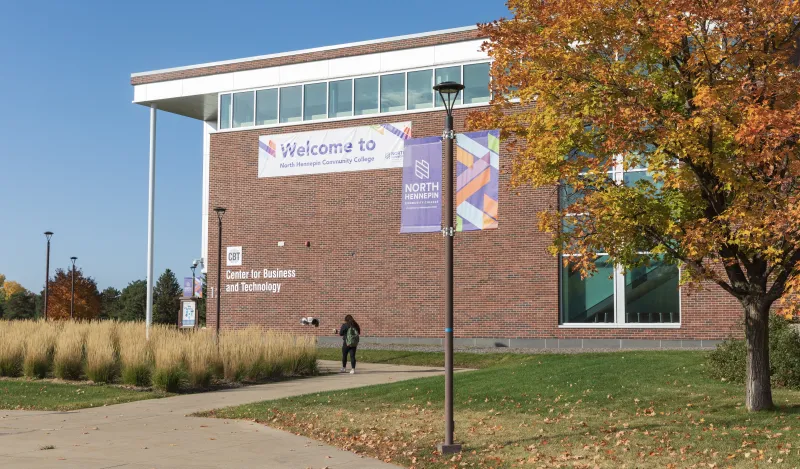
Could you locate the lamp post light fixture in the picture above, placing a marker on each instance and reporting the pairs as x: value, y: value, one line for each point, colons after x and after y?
x: 448, y: 91
x: 194, y: 266
x: 48, y: 235
x: 220, y: 212
x: 72, y: 300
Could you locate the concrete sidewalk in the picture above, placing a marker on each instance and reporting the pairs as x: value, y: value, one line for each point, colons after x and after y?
x: 159, y: 434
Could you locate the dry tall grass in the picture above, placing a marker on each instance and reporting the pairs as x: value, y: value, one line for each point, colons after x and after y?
x: 136, y: 359
x: 40, y: 341
x: 101, y: 352
x: 170, y: 359
x: 68, y: 359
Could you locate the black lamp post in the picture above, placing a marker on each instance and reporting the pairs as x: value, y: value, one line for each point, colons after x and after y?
x: 220, y: 212
x: 448, y: 91
x: 48, y: 235
x: 72, y: 300
x: 194, y: 266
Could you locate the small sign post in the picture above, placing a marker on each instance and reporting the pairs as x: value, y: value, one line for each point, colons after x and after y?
x: 188, y: 313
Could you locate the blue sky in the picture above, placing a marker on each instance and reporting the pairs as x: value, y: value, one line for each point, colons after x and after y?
x: 74, y: 150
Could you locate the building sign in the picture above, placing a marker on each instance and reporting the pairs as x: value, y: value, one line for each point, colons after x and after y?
x: 422, y: 186
x: 188, y: 313
x: 333, y: 151
x: 257, y: 280
x: 234, y: 256
x: 478, y: 173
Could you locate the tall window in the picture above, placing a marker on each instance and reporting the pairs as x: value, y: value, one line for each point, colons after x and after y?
x: 393, y: 92
x: 644, y: 295
x: 267, y: 107
x: 315, y: 102
x: 366, y: 91
x: 291, y: 104
x: 420, y: 90
x: 340, y: 98
x: 448, y: 74
x: 225, y: 111
x: 243, y: 109
x: 476, y: 83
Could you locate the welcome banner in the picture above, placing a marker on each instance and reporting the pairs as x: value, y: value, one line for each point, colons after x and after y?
x: 422, y: 186
x: 333, y: 151
x: 478, y: 173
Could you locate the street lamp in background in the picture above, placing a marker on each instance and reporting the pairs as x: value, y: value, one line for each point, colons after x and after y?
x: 48, y: 235
x: 220, y: 212
x: 72, y: 300
x: 194, y: 266
x: 448, y: 91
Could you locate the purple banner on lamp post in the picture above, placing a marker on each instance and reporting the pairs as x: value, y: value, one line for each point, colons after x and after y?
x: 187, y: 287
x: 422, y: 186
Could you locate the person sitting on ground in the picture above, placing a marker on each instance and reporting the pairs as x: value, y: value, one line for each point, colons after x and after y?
x: 350, y: 333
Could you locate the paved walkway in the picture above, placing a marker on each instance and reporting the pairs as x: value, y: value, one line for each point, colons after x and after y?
x: 158, y: 433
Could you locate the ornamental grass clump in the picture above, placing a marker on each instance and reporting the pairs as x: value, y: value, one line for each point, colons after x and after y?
x: 101, y: 352
x: 68, y: 357
x: 168, y: 353
x: 12, y: 349
x: 242, y: 354
x: 202, y: 358
x: 135, y: 356
x: 40, y: 341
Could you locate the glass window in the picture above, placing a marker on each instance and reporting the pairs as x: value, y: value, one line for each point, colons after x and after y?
x: 315, y: 102
x: 291, y: 104
x: 366, y: 91
x: 225, y: 111
x: 340, y: 98
x: 448, y: 74
x: 420, y: 89
x: 267, y: 107
x: 243, y: 109
x: 393, y: 92
x: 630, y: 178
x: 591, y: 299
x: 476, y: 83
x: 651, y: 293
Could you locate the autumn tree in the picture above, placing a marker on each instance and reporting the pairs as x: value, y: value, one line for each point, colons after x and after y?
x: 87, y: 298
x: 11, y: 288
x: 166, y: 299
x: 704, y: 95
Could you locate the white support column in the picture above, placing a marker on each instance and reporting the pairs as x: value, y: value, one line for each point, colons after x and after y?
x: 151, y: 221
x: 209, y: 127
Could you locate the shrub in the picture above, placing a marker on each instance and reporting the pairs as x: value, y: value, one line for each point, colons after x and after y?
x: 101, y: 355
x: 39, y: 345
x: 68, y: 358
x: 134, y: 355
x: 729, y: 360
x: 12, y: 349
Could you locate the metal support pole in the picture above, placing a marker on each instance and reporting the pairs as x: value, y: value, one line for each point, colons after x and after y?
x: 219, y: 270
x: 72, y: 299
x: 448, y: 446
x: 151, y: 221
x: 47, y: 279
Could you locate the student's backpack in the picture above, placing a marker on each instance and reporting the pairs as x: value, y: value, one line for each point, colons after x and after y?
x: 351, y: 338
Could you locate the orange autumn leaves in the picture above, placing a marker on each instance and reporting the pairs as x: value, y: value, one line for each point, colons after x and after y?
x: 702, y: 94
x: 87, y: 298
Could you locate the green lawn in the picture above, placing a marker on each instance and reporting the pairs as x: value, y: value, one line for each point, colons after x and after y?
x: 627, y: 409
x: 21, y: 394
x: 394, y: 357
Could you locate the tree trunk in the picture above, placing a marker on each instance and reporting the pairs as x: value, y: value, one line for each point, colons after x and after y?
x: 758, y: 395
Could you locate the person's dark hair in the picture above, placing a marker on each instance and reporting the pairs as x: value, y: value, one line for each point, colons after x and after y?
x: 352, y: 323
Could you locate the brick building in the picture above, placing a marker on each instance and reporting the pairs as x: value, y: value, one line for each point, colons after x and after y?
x: 326, y: 244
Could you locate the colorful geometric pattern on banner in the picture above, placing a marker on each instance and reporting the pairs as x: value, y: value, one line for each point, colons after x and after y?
x: 187, y: 287
x: 333, y: 151
x: 478, y: 174
x: 421, y: 209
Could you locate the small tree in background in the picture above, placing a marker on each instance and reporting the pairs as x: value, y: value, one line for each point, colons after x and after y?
x: 201, y: 304
x: 21, y: 305
x: 133, y: 302
x: 11, y: 288
x: 110, y: 305
x: 167, y: 299
x: 87, y: 298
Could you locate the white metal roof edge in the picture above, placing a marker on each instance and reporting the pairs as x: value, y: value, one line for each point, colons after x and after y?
x: 305, y: 51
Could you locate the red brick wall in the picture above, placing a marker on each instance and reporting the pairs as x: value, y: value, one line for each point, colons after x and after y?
x: 506, y: 283
x: 310, y: 56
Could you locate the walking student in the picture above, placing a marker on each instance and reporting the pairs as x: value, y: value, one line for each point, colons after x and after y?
x: 350, y: 332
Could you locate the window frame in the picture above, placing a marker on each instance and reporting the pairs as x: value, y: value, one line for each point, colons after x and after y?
x: 618, y: 286
x: 353, y: 116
